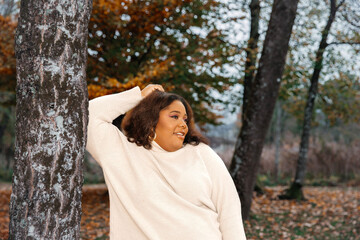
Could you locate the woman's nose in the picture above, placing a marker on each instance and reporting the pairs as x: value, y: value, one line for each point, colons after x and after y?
x: 183, y: 123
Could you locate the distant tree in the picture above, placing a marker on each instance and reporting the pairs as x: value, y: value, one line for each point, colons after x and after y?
x: 295, y: 190
x: 251, y: 52
x: 52, y: 103
x: 261, y: 101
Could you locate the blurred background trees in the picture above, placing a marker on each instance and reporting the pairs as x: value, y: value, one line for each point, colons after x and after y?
x: 174, y: 43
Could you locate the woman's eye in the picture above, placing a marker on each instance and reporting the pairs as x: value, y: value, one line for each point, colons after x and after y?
x: 175, y: 117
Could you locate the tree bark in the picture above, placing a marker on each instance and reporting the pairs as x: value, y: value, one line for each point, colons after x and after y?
x: 295, y: 190
x: 251, y: 53
x: 245, y: 161
x: 51, y: 121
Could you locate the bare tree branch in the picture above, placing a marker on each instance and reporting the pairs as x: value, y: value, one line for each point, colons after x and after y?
x: 339, y: 5
x: 7, y: 7
x: 343, y: 43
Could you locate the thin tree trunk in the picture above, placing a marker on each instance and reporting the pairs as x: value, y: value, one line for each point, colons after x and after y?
x: 251, y: 53
x: 277, y: 139
x: 295, y: 190
x: 260, y: 106
x: 3, y: 124
x: 51, y: 121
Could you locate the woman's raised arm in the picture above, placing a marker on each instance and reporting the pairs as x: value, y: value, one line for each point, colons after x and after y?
x: 102, y: 111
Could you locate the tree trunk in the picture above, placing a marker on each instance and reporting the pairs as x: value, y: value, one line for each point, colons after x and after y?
x: 251, y: 53
x: 4, y: 118
x: 277, y: 139
x: 295, y: 190
x: 51, y: 121
x: 262, y: 100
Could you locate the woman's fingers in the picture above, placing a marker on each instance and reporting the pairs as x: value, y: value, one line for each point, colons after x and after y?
x: 150, y: 88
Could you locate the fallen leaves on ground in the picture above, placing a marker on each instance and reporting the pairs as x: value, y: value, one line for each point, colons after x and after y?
x: 95, y: 215
x: 328, y: 213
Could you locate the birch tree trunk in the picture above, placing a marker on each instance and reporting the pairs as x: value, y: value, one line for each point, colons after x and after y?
x: 51, y: 119
x: 295, y: 190
x: 261, y: 101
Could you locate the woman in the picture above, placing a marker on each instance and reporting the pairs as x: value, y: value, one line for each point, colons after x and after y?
x: 164, y: 182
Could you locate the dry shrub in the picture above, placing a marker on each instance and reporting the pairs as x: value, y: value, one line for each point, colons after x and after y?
x: 325, y: 159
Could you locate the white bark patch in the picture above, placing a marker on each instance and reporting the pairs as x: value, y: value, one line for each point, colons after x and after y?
x: 43, y: 28
x: 31, y: 232
x: 41, y: 186
x: 68, y: 162
x: 38, y: 167
x: 65, y: 31
x: 19, y: 39
x: 57, y: 188
x: 60, y: 122
x: 51, y: 113
x: 59, y: 177
x: 52, y: 67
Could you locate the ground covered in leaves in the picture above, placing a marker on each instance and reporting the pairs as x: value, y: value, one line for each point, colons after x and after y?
x: 328, y: 213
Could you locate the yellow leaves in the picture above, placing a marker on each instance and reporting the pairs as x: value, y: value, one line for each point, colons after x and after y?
x: 113, y: 83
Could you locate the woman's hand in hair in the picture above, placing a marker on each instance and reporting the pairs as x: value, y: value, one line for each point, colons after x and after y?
x: 150, y: 88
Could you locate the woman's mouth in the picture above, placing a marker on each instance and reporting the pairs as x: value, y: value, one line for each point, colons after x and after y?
x: 180, y: 135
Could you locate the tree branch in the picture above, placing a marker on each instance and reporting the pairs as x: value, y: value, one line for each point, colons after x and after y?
x: 339, y: 5
x: 343, y: 43
x: 348, y: 20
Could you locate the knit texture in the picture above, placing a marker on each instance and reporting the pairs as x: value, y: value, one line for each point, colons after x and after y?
x: 158, y: 195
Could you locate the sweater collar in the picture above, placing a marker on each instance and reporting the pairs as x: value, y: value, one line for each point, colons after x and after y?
x: 156, y: 148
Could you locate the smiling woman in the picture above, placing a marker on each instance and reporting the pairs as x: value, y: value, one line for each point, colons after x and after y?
x: 164, y: 181
x: 165, y: 118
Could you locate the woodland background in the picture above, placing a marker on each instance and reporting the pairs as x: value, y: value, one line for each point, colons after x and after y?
x: 198, y: 49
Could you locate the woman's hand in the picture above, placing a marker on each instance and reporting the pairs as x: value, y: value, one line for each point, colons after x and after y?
x: 150, y: 88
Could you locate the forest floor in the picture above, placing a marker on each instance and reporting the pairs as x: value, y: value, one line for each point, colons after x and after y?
x: 328, y: 213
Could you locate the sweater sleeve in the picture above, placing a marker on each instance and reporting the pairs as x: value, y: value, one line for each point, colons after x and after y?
x: 225, y: 197
x: 102, y: 134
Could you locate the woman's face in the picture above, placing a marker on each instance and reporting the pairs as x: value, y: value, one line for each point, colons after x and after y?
x: 172, y: 128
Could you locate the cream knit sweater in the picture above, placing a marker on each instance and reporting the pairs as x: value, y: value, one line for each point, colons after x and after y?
x: 158, y: 195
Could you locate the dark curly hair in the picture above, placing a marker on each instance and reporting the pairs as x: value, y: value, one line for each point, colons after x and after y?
x: 139, y: 124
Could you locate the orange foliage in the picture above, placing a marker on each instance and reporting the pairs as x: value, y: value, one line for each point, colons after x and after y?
x: 7, y: 55
x: 112, y: 85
